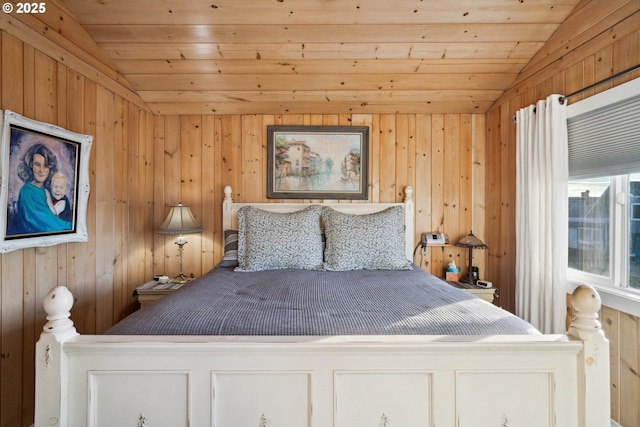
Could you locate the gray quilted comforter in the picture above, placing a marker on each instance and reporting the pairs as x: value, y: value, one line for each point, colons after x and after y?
x: 298, y: 302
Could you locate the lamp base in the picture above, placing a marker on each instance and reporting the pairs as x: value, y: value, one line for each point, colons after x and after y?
x: 180, y: 278
x: 472, y: 277
x: 465, y: 279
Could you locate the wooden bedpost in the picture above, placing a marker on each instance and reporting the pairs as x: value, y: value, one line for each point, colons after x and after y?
x: 409, y: 220
x: 226, y: 208
x: 593, y: 360
x: 51, y: 362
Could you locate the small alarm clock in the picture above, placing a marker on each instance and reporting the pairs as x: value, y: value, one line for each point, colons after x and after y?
x: 484, y: 284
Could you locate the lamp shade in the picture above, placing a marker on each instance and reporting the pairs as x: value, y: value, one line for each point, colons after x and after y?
x: 180, y: 221
x: 471, y: 241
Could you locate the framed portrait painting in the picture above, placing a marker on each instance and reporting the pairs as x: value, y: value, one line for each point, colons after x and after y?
x: 44, y: 185
x: 317, y: 162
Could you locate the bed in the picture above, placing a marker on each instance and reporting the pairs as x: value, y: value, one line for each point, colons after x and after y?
x: 311, y: 319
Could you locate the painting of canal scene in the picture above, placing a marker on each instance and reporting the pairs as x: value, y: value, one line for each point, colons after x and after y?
x: 317, y: 162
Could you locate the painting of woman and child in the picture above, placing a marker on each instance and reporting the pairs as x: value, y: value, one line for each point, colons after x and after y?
x: 41, y: 184
x: 42, y: 176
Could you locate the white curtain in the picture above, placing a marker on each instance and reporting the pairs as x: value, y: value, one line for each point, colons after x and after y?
x: 541, y: 214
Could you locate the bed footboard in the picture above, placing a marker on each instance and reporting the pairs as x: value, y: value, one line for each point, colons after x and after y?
x: 342, y: 381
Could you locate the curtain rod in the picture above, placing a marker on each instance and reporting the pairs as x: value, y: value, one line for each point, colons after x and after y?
x: 601, y: 82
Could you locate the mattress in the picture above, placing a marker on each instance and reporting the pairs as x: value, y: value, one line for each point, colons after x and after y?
x: 320, y: 303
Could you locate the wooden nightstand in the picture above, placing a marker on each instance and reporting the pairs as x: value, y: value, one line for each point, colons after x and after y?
x: 486, y: 294
x: 154, y: 290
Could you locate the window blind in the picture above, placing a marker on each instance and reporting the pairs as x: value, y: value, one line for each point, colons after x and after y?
x: 604, y: 133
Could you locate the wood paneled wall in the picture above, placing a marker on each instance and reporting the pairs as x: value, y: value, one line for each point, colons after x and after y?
x: 103, y: 272
x: 442, y: 156
x: 583, y: 51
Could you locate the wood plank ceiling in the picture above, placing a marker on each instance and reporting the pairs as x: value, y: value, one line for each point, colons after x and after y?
x: 320, y: 56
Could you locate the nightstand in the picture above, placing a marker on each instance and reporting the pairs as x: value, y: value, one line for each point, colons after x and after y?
x: 154, y: 290
x: 486, y: 294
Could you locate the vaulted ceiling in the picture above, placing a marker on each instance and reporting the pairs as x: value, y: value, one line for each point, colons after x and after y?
x: 320, y: 56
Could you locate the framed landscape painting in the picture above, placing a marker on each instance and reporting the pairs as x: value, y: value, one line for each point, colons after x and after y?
x: 44, y: 186
x: 317, y: 162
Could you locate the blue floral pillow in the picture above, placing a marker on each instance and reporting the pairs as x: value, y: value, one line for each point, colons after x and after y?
x: 271, y: 241
x: 372, y: 241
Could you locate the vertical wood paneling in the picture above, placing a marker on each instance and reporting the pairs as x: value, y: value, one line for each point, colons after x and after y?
x: 629, y: 368
x: 158, y: 192
x: 105, y: 197
x: 207, y: 216
x: 12, y: 353
x: 603, y: 64
x: 172, y: 196
x: 465, y: 198
x: 507, y: 212
x: 476, y: 185
x: 191, y: 179
x: 146, y: 134
x: 29, y: 99
x: 437, y: 168
x: 89, y: 297
x: 121, y: 213
x: 138, y: 227
x: 626, y: 52
x: 232, y: 154
x: 12, y: 76
x: 411, y: 155
x: 402, y: 144
x: 217, y: 187
x: 611, y: 326
x: 253, y: 158
x: 422, y: 189
x: 453, y: 165
x: 492, y: 235
x: 39, y: 87
x: 11, y: 303
x: 386, y: 160
x: 374, y: 154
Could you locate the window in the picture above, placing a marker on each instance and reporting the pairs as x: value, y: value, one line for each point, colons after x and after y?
x: 604, y: 230
x: 604, y: 188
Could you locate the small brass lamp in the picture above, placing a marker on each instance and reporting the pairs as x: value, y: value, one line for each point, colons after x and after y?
x: 180, y: 221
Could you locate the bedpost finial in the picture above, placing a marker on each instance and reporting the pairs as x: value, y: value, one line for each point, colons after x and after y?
x: 408, y: 193
x: 57, y: 305
x: 228, y: 193
x: 586, y: 303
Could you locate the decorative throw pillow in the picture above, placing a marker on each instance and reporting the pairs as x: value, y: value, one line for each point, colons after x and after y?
x: 372, y: 241
x: 270, y: 240
x: 230, y: 256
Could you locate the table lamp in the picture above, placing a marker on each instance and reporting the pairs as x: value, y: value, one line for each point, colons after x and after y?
x: 180, y: 221
x: 471, y: 242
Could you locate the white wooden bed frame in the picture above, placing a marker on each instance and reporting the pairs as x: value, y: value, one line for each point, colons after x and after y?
x: 341, y: 381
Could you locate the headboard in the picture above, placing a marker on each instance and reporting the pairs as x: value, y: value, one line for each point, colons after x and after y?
x: 230, y: 212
